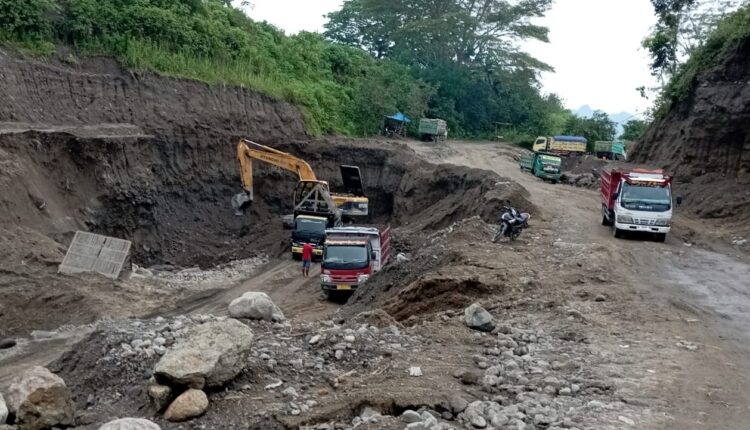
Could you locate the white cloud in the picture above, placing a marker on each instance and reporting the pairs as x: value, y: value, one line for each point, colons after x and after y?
x: 595, y: 46
x: 293, y: 16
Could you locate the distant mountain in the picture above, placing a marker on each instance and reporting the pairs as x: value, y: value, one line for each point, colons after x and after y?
x: 620, y: 118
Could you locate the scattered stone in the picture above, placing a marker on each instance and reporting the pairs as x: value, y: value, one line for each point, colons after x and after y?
x: 470, y: 377
x: 40, y: 399
x: 257, y: 306
x: 479, y: 319
x: 212, y: 355
x: 626, y: 420
x: 7, y: 343
x: 130, y: 424
x: 479, y: 422
x: 369, y: 415
x: 600, y: 298
x: 410, y: 416
x: 565, y: 391
x: 349, y: 338
x: 190, y: 404
x: 3, y: 410
x: 161, y: 396
x: 339, y: 354
x: 415, y: 371
x: 289, y: 392
x: 457, y: 403
x: 315, y: 339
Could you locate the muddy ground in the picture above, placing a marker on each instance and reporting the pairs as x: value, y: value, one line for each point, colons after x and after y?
x: 592, y: 332
x: 653, y: 333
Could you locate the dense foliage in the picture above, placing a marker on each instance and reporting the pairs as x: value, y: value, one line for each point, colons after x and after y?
x: 450, y: 59
x: 598, y: 127
x: 467, y: 50
x: 634, y: 129
x: 730, y: 31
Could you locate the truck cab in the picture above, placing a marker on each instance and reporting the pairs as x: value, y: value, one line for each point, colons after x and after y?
x: 638, y: 201
x: 309, y: 229
x: 544, y: 165
x: 351, y: 255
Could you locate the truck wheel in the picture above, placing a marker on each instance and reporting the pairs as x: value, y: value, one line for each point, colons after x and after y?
x: 554, y: 182
x: 617, y: 233
x: 661, y: 237
x: 605, y: 221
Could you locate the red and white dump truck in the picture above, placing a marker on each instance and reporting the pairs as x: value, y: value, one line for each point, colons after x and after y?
x: 351, y: 255
x: 638, y: 200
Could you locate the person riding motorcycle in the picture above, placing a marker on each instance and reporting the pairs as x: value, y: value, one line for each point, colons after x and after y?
x: 510, y: 218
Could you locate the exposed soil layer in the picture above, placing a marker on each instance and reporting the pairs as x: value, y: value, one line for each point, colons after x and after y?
x: 152, y: 160
x: 705, y: 140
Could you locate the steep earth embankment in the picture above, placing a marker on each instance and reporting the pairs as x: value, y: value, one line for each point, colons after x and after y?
x: 705, y: 140
x: 151, y: 159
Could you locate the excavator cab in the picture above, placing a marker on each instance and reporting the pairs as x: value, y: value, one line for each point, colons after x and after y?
x: 312, y: 197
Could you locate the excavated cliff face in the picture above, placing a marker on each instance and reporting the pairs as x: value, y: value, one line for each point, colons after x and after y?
x: 705, y: 141
x: 99, y: 91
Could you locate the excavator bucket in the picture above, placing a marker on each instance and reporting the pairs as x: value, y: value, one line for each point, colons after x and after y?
x: 241, y: 201
x: 352, y: 179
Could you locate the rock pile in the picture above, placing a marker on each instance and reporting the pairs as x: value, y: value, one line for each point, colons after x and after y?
x: 38, y: 399
x: 211, y: 355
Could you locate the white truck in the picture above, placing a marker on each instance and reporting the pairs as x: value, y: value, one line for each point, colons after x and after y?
x: 637, y: 201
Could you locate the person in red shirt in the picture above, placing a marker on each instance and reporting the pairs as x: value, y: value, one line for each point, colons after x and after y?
x: 307, y: 251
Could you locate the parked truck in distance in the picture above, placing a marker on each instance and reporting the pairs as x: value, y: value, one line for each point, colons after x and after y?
x: 637, y: 201
x: 561, y: 145
x: 610, y: 150
x: 432, y: 129
x: 542, y: 165
x: 351, y: 255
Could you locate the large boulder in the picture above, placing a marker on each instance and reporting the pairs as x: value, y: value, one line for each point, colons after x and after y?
x: 3, y: 410
x: 40, y: 400
x: 130, y: 424
x: 478, y: 318
x: 211, y: 355
x: 257, y: 306
x: 188, y: 405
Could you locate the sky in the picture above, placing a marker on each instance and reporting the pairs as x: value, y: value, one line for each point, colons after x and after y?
x: 595, y: 46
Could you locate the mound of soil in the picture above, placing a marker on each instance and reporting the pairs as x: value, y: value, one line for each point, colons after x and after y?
x: 705, y: 141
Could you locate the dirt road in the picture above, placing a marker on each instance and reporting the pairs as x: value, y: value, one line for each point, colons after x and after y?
x: 301, y: 298
x: 694, y: 297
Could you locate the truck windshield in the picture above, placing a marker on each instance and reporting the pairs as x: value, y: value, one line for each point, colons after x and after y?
x: 303, y: 225
x: 345, y: 257
x: 650, y: 199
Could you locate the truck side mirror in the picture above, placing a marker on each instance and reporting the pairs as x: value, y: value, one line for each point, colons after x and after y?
x: 679, y: 201
x: 373, y: 256
x: 615, y: 196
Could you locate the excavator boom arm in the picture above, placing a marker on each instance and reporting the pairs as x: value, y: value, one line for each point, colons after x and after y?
x: 248, y: 150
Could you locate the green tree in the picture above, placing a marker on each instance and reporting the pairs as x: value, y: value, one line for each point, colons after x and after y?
x: 683, y: 26
x: 598, y: 127
x: 425, y: 31
x: 28, y: 19
x: 633, y: 129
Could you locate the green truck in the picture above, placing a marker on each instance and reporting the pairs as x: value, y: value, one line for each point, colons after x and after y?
x: 432, y: 129
x: 544, y: 165
x: 616, y: 150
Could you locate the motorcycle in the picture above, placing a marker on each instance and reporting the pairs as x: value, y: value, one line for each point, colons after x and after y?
x: 512, y: 223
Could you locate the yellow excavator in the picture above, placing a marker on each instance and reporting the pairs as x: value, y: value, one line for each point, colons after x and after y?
x: 312, y: 196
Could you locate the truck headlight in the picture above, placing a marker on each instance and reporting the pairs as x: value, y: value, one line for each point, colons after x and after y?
x: 625, y: 219
x: 662, y: 222
x: 362, y: 278
x: 325, y: 278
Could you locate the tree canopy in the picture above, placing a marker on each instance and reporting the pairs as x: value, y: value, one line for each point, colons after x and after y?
x: 467, y: 49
